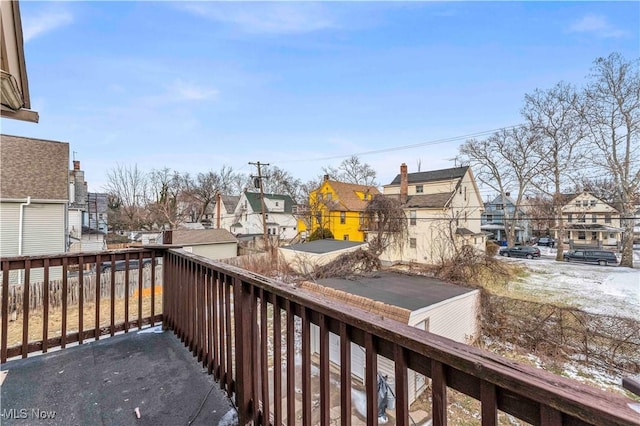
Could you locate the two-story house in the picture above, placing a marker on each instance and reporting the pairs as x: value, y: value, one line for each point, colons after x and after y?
x: 278, y: 209
x: 589, y: 221
x: 443, y: 209
x: 220, y: 214
x: 34, y: 196
x: 499, y: 213
x: 339, y: 207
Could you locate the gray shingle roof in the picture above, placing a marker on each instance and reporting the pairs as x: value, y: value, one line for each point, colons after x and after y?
x: 33, y: 167
x: 202, y: 236
x: 254, y: 201
x: 433, y: 175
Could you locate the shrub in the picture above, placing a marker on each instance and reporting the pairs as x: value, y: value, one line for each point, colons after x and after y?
x: 321, y: 234
x: 491, y: 248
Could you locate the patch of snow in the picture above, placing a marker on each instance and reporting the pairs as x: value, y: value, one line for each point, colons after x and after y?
x: 157, y: 329
x: 229, y: 419
x: 607, y: 290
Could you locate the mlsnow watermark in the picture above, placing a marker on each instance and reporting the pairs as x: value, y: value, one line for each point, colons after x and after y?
x: 26, y: 413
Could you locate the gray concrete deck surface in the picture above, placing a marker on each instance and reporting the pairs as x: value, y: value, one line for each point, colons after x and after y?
x: 102, y: 383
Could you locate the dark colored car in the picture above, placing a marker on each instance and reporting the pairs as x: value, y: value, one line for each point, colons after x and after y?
x: 546, y: 241
x: 120, y: 265
x: 520, y: 251
x: 601, y: 257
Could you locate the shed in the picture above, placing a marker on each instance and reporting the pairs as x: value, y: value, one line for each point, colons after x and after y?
x: 426, y: 303
x: 303, y: 256
x: 211, y: 243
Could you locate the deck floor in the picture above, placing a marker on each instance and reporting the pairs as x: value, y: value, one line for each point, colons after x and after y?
x: 102, y: 383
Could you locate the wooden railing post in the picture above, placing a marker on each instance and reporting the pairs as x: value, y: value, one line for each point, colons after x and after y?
x: 243, y: 315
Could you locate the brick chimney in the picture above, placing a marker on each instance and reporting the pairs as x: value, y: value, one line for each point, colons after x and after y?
x: 404, y: 183
x: 76, y: 165
x: 326, y: 178
x: 167, y: 237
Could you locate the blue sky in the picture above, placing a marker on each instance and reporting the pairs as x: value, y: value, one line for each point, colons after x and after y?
x: 193, y: 86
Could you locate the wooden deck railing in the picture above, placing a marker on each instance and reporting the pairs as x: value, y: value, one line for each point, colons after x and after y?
x: 52, y: 301
x: 242, y: 327
x: 255, y: 336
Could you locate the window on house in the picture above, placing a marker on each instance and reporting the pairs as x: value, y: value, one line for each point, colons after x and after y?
x: 343, y: 217
x: 612, y: 235
x: 585, y: 203
x: 607, y: 218
x: 419, y: 189
x: 489, y: 218
x: 593, y: 203
x: 412, y: 217
x: 582, y: 235
x: 320, y: 196
x: 465, y: 193
x: 578, y: 203
x: 329, y: 196
x: 569, y: 217
x: 594, y: 218
x: 345, y: 237
x: 277, y: 203
x: 361, y: 217
x: 412, y: 243
x: 582, y: 218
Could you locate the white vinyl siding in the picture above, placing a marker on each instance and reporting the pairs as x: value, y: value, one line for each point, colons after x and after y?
x: 216, y: 251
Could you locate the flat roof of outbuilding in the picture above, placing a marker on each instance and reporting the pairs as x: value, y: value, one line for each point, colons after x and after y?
x: 411, y: 292
x: 323, y: 246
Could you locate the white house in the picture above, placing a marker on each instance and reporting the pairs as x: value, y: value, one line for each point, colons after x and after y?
x: 589, y: 221
x: 443, y: 208
x: 220, y: 213
x: 34, y: 195
x: 278, y: 215
x: 425, y: 303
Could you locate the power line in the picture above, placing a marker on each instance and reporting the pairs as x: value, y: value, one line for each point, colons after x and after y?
x: 403, y: 147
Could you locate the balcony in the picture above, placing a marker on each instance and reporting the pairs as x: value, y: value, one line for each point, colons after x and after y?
x: 253, y: 336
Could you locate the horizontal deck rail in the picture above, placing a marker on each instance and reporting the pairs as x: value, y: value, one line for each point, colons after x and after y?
x: 242, y: 327
x: 79, y: 282
x: 256, y: 336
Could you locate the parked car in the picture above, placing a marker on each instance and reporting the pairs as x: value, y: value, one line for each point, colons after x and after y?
x: 601, y: 257
x: 546, y: 241
x: 520, y: 251
x: 120, y: 265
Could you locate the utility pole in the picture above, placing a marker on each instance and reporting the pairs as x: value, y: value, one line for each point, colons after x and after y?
x: 264, y: 219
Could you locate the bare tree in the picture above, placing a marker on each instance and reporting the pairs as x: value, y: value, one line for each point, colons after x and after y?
x: 352, y: 170
x: 127, y: 187
x: 507, y: 162
x: 169, y: 208
x: 612, y: 116
x: 280, y: 181
x: 387, y: 222
x: 555, y: 115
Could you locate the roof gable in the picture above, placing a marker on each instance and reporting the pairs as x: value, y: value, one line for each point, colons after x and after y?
x: 347, y: 195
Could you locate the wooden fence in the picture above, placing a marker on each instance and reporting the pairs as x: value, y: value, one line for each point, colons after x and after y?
x: 37, y: 296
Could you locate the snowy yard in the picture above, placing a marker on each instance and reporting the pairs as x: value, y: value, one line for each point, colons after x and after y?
x: 609, y: 290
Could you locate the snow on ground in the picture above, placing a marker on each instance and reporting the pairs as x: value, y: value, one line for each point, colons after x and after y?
x: 608, y: 290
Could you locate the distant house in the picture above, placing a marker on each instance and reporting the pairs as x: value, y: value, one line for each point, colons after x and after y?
x: 212, y: 243
x: 34, y: 196
x: 278, y: 215
x: 305, y: 256
x: 339, y: 207
x: 425, y: 303
x: 443, y: 210
x: 589, y: 221
x: 220, y: 213
x: 497, y: 212
x: 96, y: 216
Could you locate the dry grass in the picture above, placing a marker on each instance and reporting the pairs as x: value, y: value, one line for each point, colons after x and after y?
x: 36, y: 318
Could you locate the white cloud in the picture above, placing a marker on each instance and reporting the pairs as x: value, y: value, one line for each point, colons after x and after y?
x: 597, y: 25
x: 186, y: 91
x: 45, y: 21
x: 265, y: 18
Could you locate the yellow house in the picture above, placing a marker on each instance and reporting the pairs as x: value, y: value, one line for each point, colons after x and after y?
x: 339, y: 207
